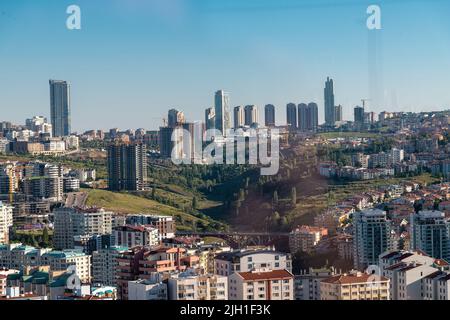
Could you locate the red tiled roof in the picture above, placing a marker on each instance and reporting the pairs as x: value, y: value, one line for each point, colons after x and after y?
x: 352, y: 278
x: 269, y: 275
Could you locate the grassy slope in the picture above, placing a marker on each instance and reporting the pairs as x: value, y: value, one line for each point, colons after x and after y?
x: 123, y: 203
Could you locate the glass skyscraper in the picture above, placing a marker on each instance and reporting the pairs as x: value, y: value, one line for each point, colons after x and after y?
x: 329, y: 103
x: 222, y: 110
x: 60, y: 107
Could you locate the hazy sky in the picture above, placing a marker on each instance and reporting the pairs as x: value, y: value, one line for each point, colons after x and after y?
x: 135, y: 59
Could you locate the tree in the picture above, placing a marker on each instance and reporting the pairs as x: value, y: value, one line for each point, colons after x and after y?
x: 275, y: 197
x: 153, y: 193
x: 194, y: 203
x: 45, y: 237
x: 294, y: 196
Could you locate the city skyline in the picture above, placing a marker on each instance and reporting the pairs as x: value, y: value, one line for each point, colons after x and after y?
x: 257, y: 62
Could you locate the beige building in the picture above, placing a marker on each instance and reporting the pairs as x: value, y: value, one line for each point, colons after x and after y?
x: 355, y: 286
x: 62, y: 260
x: 6, y: 221
x: 305, y: 238
x: 190, y: 286
x: 262, y: 284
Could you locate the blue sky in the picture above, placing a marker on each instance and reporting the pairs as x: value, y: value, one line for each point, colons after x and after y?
x: 135, y: 59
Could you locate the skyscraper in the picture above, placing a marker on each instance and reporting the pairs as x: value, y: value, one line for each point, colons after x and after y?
x: 338, y: 113
x: 222, y: 111
x: 371, y: 237
x: 251, y: 115
x: 127, y: 167
x: 359, y: 115
x: 313, y: 113
x: 291, y: 115
x: 269, y: 115
x: 303, y: 116
x: 430, y: 233
x: 308, y: 116
x: 175, y: 118
x: 239, y: 119
x: 60, y: 107
x: 329, y: 103
x: 210, y: 118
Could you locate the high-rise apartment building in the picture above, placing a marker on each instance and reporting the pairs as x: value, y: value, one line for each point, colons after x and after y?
x: 329, y: 103
x: 430, y: 233
x: 371, y: 237
x: 210, y: 118
x: 72, y: 222
x: 269, y: 115
x: 6, y: 222
x: 104, y: 265
x: 60, y: 108
x: 291, y: 115
x: 239, y: 118
x: 127, y: 167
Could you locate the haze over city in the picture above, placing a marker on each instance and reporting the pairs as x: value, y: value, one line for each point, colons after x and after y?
x: 143, y: 57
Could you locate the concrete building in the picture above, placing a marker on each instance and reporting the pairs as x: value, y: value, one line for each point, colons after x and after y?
x: 371, y: 237
x: 261, y: 284
x: 165, y: 224
x: 430, y: 233
x: 247, y: 260
x: 147, y: 289
x: 307, y: 283
x: 305, y: 238
x: 355, y: 286
x: 6, y: 222
x: 104, y: 265
x: 413, y: 275
x: 191, y: 286
x: 62, y: 260
x: 127, y: 167
x: 72, y: 222
x: 135, y: 235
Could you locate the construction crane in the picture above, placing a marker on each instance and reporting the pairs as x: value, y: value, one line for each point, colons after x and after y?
x: 364, y: 102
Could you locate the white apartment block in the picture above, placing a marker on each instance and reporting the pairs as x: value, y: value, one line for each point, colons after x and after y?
x: 188, y: 286
x: 6, y: 222
x: 371, y: 237
x: 164, y: 224
x: 135, y: 235
x: 414, y: 275
x: 104, y: 265
x: 247, y: 260
x: 261, y: 284
x: 146, y: 289
x: 71, y: 222
x: 62, y: 260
